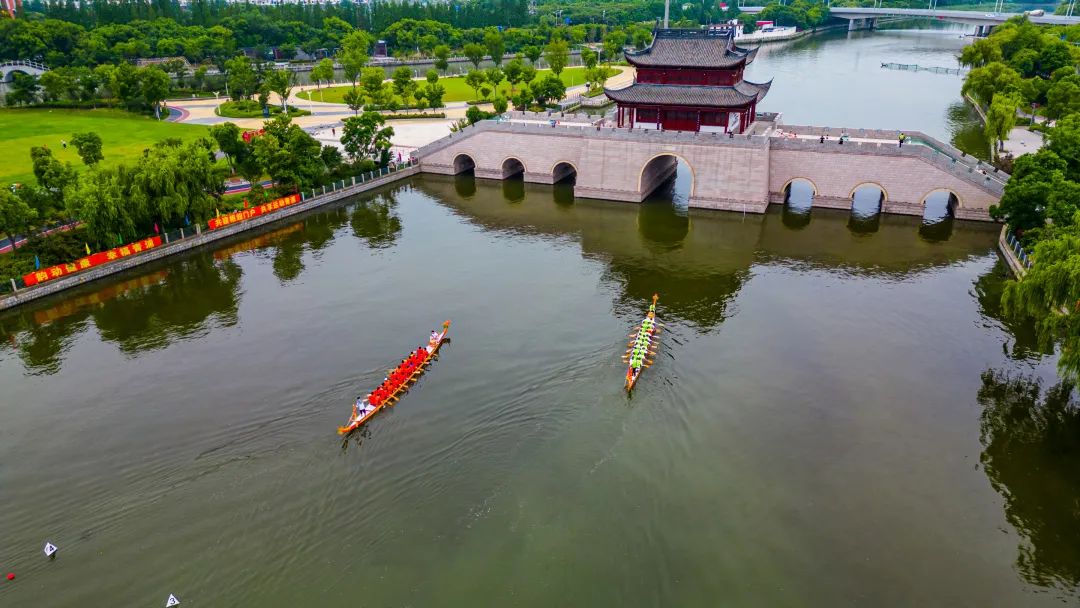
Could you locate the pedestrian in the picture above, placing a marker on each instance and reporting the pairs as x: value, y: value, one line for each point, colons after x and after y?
x: 63, y: 143
x: 900, y: 140
x: 333, y: 131
x: 822, y: 140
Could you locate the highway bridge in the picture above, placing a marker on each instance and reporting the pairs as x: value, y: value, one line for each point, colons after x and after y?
x: 864, y: 18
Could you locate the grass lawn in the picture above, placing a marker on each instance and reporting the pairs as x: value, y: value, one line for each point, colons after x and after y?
x: 456, y: 89
x: 123, y: 135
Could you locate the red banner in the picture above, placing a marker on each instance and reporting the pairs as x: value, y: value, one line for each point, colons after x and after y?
x: 96, y: 259
x: 246, y: 214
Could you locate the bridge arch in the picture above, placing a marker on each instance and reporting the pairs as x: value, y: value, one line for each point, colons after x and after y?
x: 788, y: 183
x: 955, y: 195
x: 884, y: 192
x: 655, y: 171
x: 512, y: 166
x: 562, y: 170
x: 463, y: 162
x: 30, y: 68
x: 799, y: 193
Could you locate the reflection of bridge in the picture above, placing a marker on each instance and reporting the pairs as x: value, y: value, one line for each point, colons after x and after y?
x: 863, y: 18
x: 740, y: 173
x: 33, y: 68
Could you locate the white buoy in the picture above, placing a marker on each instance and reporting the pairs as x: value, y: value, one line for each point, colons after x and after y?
x: 50, y: 549
x: 172, y: 601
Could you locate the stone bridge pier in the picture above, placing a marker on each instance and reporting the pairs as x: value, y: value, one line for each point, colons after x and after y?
x: 744, y: 172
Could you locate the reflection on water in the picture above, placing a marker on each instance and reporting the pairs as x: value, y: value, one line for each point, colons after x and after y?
x: 839, y: 347
x: 192, y: 297
x: 1025, y: 338
x: 375, y: 221
x: 699, y: 258
x: 1031, y: 455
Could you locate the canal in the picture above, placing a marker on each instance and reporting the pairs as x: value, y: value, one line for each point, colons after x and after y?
x: 827, y: 422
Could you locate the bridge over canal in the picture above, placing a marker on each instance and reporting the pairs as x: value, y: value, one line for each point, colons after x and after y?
x: 864, y: 17
x: 744, y: 173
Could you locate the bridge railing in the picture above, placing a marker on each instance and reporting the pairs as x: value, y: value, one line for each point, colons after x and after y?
x: 967, y: 173
x: 1018, y: 249
x: 25, y: 64
x: 578, y: 129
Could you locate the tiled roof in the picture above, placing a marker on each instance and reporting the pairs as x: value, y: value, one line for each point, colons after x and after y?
x: 692, y: 48
x: 690, y: 95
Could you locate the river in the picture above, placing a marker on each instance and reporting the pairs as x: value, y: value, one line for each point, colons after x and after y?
x: 821, y: 428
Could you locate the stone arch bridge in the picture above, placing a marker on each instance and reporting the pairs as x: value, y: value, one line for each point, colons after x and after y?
x: 32, y: 68
x: 744, y: 173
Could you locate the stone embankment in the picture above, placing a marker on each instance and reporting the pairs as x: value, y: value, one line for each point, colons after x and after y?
x: 311, y: 201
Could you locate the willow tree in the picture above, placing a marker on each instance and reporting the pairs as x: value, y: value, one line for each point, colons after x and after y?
x: 1050, y: 295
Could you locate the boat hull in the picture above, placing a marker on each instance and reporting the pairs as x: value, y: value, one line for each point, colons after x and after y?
x: 355, y: 423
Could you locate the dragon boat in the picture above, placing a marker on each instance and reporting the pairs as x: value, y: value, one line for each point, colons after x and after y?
x: 644, y: 339
x: 364, y: 411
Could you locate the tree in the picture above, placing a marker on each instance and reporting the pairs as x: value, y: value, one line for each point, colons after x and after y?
x: 1064, y: 140
x: 1054, y: 56
x: 475, y: 53
x: 241, y: 77
x: 1001, y: 118
x: 475, y: 79
x: 613, y: 44
x: 365, y: 136
x: 1035, y: 188
x: 100, y: 201
x: 323, y: 71
x: 523, y: 98
x: 980, y: 52
x: 513, y: 73
x: 281, y: 82
x: 499, y: 104
x: 228, y: 138
x: 89, y: 146
x: 528, y: 74
x: 496, y: 47
x: 289, y: 154
x: 154, y: 84
x: 557, y: 55
x: 494, y: 77
x: 354, y: 98
x: 548, y: 89
x: 15, y: 215
x: 1063, y: 97
x: 442, y: 56
x: 588, y: 57
x: 353, y: 56
x: 403, y: 83
x: 532, y: 53
x: 53, y: 176
x: 985, y: 82
x: 372, y: 79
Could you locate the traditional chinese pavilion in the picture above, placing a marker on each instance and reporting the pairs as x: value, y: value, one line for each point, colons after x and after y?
x: 690, y: 80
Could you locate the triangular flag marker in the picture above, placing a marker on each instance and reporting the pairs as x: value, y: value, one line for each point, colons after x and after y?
x: 50, y: 549
x: 172, y: 601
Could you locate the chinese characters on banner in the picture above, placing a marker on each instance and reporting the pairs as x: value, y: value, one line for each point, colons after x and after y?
x: 239, y: 216
x: 96, y: 259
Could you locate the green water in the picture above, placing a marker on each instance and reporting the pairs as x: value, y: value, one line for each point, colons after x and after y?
x: 822, y: 426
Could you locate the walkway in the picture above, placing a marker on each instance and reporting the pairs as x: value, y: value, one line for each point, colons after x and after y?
x: 326, y: 118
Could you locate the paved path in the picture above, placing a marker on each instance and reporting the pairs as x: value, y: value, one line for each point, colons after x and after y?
x: 326, y: 118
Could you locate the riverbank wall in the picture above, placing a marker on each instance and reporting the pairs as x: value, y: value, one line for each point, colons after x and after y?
x: 1015, y: 256
x: 314, y: 200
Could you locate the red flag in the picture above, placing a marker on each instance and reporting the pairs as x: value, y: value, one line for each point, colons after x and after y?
x: 156, y: 228
x: 245, y: 204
